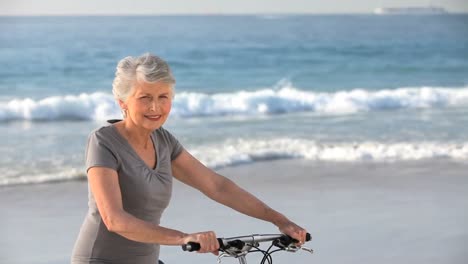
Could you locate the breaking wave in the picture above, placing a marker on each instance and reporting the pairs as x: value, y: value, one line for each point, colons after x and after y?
x: 102, y: 106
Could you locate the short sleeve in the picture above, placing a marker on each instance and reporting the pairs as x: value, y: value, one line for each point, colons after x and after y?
x: 99, y: 152
x: 174, y: 145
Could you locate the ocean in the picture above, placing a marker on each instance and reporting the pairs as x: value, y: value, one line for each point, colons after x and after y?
x: 320, y: 88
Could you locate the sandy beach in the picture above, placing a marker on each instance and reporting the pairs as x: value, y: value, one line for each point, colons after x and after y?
x: 412, y: 212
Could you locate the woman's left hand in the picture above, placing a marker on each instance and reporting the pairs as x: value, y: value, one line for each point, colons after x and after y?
x: 291, y: 229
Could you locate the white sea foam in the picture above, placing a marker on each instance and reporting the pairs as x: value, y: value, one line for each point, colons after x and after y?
x: 94, y: 106
x: 233, y: 152
x: 65, y: 175
x: 101, y: 106
x: 240, y: 151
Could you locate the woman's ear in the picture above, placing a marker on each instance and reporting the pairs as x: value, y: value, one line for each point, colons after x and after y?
x: 122, y: 105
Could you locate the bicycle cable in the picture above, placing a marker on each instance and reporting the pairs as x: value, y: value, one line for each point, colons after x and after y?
x: 266, y: 256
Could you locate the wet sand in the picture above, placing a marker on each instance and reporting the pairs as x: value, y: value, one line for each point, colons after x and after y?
x: 413, y: 212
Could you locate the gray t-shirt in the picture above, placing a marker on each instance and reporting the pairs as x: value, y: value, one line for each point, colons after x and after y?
x: 145, y: 194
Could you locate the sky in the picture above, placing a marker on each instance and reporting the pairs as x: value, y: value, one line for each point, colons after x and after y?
x: 148, y: 7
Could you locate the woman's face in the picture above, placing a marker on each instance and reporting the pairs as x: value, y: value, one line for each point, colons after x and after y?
x: 149, y: 105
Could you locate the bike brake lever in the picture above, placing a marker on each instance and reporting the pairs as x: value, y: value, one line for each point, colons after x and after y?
x: 297, y: 248
x: 222, y: 255
x: 311, y: 251
x: 286, y: 243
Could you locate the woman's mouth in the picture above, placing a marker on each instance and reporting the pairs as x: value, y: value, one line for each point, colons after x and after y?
x: 153, y: 117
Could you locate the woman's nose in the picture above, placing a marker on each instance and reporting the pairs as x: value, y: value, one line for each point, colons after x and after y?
x: 154, y: 105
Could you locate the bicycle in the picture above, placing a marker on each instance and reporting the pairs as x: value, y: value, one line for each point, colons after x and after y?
x: 239, y: 247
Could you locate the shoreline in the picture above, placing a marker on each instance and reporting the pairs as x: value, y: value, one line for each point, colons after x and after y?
x: 319, y: 163
x: 359, y: 212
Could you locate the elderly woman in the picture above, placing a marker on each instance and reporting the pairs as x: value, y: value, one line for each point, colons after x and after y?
x: 130, y: 165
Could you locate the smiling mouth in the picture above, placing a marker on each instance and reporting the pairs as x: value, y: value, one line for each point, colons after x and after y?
x: 153, y: 117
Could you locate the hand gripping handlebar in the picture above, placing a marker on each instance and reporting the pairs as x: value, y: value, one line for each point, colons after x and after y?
x: 281, y: 241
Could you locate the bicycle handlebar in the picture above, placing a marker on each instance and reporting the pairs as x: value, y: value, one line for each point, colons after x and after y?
x: 279, y: 240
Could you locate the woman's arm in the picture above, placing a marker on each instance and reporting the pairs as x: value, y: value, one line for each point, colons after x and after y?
x: 189, y: 170
x: 104, y: 183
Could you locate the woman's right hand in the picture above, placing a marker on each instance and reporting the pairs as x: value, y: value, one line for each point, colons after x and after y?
x: 207, y: 240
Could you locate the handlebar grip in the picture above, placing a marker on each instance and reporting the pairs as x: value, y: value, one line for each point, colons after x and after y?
x: 191, y: 246
x: 194, y: 246
x: 308, y: 238
x: 286, y: 240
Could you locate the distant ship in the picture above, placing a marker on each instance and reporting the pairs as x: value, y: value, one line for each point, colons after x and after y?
x: 429, y: 10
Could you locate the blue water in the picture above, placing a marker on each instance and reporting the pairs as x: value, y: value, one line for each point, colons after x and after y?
x: 347, y: 88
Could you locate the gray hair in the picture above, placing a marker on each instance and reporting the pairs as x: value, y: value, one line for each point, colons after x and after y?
x: 147, y: 67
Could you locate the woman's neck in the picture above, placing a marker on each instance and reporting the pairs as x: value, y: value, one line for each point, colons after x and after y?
x: 137, y: 136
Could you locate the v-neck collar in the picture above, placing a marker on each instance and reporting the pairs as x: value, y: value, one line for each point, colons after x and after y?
x: 133, y: 151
